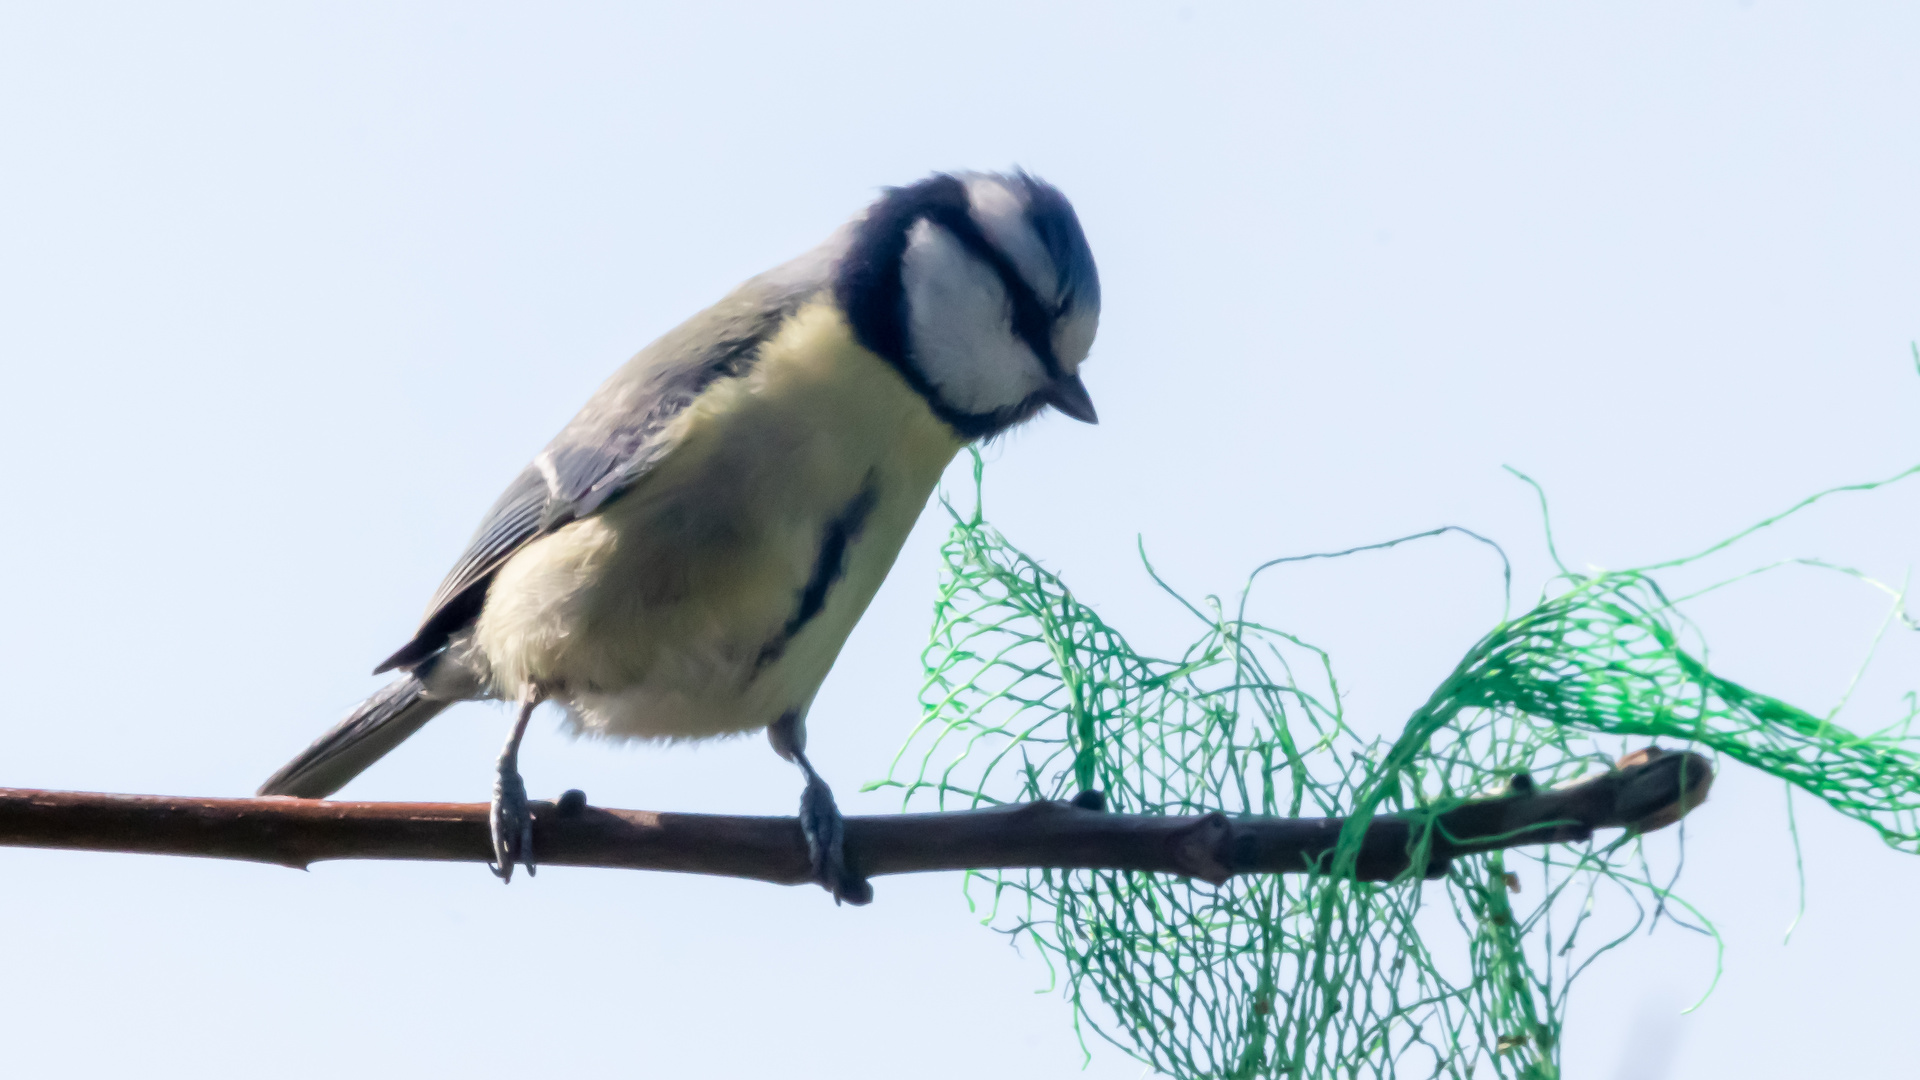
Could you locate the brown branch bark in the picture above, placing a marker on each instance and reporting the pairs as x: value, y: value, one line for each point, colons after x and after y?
x: 1646, y: 791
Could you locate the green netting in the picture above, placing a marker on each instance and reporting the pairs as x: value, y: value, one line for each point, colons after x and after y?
x: 1030, y: 695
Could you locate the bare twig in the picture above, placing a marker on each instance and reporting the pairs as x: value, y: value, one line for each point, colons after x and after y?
x: 1648, y: 790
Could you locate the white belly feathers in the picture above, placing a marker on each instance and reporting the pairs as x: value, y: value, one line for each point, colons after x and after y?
x: 714, y: 596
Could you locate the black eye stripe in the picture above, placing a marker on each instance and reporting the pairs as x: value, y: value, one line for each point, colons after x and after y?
x: 1052, y: 219
x: 1032, y: 321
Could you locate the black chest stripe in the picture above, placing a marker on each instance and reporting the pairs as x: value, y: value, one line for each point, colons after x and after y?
x: 828, y: 567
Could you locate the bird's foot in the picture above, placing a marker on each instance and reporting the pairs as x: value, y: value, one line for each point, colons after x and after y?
x: 511, y: 819
x: 826, y: 835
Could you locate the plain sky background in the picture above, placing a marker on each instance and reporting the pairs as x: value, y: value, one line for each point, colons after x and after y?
x: 289, y: 292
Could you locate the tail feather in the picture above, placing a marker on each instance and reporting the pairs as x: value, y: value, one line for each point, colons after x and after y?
x: 381, y: 723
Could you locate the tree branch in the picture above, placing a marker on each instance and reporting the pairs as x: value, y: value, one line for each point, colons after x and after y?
x: 1648, y: 790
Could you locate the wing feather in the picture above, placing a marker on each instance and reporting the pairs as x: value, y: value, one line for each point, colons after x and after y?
x: 621, y: 434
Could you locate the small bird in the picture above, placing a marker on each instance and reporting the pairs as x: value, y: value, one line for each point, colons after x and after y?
x: 687, y: 557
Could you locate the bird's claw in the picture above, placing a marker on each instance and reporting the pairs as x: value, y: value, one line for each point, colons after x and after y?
x: 511, y: 819
x: 826, y: 834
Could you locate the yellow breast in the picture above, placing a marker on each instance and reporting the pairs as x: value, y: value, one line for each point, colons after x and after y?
x: 702, y: 602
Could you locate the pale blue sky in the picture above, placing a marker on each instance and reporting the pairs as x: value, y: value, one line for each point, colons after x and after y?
x: 288, y: 293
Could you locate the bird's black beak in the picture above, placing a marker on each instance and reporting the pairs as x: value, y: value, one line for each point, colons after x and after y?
x: 1069, y: 395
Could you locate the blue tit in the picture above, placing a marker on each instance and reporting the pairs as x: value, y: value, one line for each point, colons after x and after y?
x: 687, y: 557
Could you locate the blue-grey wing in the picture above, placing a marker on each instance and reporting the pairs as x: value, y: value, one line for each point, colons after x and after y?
x: 621, y: 434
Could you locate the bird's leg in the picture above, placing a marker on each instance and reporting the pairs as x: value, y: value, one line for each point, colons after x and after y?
x: 826, y: 834
x: 510, y: 816
x: 820, y: 819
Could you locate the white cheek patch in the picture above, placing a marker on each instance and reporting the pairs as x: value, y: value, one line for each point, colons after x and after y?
x: 960, y: 326
x: 1073, y: 338
x: 1002, y: 216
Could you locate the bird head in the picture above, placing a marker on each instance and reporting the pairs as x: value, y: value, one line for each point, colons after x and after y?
x: 981, y: 290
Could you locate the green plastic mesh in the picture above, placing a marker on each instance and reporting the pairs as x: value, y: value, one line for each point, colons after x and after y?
x: 1030, y: 695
